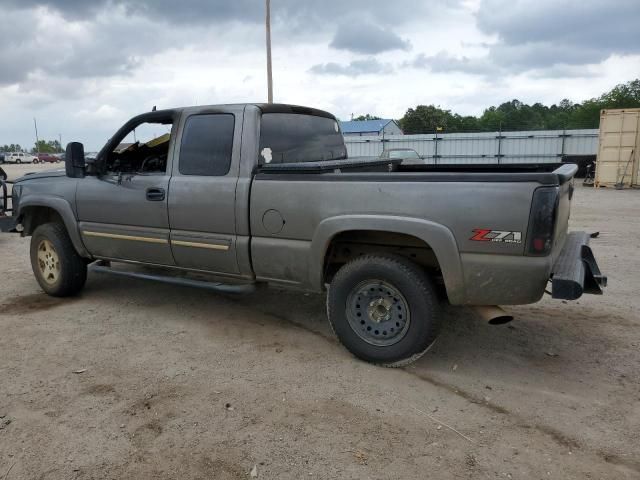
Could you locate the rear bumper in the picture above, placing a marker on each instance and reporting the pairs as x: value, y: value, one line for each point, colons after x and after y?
x: 576, y: 271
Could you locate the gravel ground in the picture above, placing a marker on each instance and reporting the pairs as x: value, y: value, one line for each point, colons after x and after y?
x: 184, y: 383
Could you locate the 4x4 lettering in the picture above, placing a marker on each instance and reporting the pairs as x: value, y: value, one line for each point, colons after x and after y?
x: 502, y: 236
x: 481, y: 235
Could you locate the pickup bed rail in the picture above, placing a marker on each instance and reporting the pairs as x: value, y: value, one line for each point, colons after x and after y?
x: 367, y: 172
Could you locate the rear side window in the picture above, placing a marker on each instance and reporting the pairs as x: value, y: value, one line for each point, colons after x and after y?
x: 207, y: 143
x: 294, y: 137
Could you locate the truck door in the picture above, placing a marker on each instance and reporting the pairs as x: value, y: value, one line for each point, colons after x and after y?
x: 203, y: 192
x: 123, y: 212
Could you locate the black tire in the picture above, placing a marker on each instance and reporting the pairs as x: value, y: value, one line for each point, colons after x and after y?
x: 18, y: 161
x: 64, y: 272
x: 403, y: 285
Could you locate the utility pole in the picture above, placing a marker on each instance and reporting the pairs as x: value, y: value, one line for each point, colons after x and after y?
x: 60, y: 140
x: 35, y: 125
x: 269, y: 73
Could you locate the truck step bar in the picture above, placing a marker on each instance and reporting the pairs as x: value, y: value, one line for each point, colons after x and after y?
x: 575, y: 271
x: 103, y: 267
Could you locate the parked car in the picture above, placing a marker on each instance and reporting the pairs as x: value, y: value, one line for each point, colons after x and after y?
x: 20, y: 157
x: 261, y: 193
x: 408, y: 155
x: 46, y: 158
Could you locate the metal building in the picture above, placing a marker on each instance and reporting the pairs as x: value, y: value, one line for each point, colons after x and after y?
x: 360, y: 128
x: 542, y: 146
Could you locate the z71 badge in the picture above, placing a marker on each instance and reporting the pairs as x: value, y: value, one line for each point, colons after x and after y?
x: 488, y: 235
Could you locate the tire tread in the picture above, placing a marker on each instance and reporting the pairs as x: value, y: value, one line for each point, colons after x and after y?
x: 416, y: 275
x: 73, y: 268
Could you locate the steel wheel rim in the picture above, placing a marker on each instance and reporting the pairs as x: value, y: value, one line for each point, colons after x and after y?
x: 48, y: 262
x: 378, y: 313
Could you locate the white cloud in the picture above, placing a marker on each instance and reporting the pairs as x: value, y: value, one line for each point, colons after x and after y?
x: 86, y: 69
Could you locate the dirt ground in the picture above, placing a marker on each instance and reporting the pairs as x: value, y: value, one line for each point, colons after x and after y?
x: 185, y: 383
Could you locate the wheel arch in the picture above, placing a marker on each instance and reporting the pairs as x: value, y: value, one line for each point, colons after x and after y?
x: 435, y: 236
x: 36, y: 211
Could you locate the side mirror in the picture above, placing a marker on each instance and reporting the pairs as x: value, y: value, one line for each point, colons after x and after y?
x: 74, y: 160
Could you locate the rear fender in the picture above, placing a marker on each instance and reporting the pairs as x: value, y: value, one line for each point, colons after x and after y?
x: 437, y: 236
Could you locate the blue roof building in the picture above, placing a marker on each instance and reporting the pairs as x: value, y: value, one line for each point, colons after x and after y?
x: 370, y: 128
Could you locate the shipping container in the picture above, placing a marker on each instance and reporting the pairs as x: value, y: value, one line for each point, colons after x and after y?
x: 618, y: 158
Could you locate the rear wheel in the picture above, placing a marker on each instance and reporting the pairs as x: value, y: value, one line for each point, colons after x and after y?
x: 384, y: 309
x: 58, y: 268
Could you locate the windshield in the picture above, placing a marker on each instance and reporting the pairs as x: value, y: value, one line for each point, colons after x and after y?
x: 403, y: 154
x: 294, y: 137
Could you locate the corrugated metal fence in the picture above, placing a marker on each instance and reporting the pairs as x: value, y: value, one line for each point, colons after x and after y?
x: 542, y: 146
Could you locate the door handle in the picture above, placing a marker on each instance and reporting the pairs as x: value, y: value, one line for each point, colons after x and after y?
x: 155, y: 194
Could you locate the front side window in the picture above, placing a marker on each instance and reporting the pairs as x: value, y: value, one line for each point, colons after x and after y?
x: 144, y: 150
x: 295, y: 137
x: 207, y: 144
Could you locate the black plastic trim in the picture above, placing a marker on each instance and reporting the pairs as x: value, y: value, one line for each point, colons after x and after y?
x: 576, y: 271
x: 328, y: 165
x: 285, y: 108
x: 313, y: 171
x: 541, y: 178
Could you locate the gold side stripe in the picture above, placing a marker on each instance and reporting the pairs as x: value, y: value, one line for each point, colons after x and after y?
x: 125, y: 237
x: 211, y: 246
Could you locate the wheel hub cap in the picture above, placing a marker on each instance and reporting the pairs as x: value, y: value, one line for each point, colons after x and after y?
x: 378, y: 313
x: 379, y: 310
x: 48, y: 262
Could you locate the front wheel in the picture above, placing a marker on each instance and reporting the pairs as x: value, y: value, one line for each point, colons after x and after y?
x: 384, y: 309
x: 58, y: 268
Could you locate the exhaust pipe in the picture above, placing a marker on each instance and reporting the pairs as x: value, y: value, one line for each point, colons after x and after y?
x: 493, y: 314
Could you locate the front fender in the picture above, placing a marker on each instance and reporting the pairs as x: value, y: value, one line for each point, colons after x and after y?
x: 63, y: 208
x: 437, y: 236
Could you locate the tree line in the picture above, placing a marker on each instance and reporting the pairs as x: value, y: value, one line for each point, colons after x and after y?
x: 517, y: 115
x: 42, y: 146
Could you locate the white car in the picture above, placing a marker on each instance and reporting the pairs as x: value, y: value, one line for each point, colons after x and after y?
x: 20, y: 157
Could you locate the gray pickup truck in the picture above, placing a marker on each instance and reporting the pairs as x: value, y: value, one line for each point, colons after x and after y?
x: 253, y: 193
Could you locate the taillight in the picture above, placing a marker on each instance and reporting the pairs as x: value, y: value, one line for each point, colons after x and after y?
x: 542, y: 221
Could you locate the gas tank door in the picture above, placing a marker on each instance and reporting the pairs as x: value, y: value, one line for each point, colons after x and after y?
x: 272, y: 221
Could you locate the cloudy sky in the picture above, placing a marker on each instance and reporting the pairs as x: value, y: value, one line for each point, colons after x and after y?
x: 84, y: 67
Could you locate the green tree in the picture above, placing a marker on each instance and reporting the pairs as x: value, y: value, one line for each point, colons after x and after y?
x: 516, y: 115
x: 14, y: 147
x: 47, y: 146
x: 426, y: 119
x: 368, y: 116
